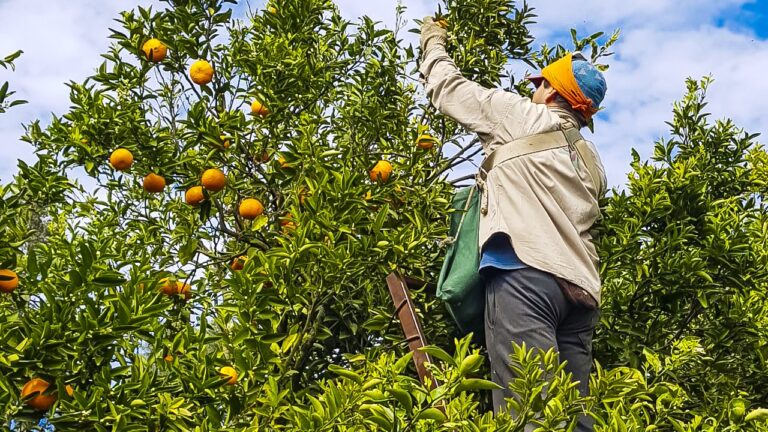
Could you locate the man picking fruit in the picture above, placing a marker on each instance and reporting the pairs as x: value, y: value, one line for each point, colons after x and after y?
x: 539, y: 201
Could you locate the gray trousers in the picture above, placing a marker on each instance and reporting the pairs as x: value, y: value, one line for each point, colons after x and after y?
x: 527, y: 305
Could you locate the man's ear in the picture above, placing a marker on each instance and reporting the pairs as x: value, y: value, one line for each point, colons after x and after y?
x: 550, y: 94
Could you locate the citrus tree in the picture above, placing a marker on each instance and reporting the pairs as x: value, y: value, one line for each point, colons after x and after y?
x: 256, y: 180
x: 684, y: 263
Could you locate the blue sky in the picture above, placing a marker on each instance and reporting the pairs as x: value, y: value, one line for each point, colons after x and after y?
x: 663, y: 42
x: 751, y: 16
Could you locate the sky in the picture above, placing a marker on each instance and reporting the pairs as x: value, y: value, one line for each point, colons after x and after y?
x: 662, y: 43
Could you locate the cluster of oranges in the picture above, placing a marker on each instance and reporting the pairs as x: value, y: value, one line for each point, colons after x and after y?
x: 37, y: 392
x: 201, y: 72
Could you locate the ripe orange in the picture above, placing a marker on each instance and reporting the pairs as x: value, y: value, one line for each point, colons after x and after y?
x: 184, y: 289
x: 8, y: 285
x: 425, y: 141
x: 154, y: 50
x: 230, y: 373
x: 214, y: 180
x: 251, y: 208
x: 239, y: 262
x: 168, y: 358
x: 169, y: 288
x: 224, y: 141
x: 282, y: 162
x: 287, y: 222
x: 381, y: 171
x: 194, y: 195
x: 35, y: 388
x: 257, y: 108
x: 201, y: 72
x: 154, y: 183
x: 70, y: 391
x: 121, y: 159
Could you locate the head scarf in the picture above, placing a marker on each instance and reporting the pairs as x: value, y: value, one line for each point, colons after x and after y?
x: 561, y: 78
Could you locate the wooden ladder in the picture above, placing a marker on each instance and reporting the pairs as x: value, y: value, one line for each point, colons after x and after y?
x: 399, y: 288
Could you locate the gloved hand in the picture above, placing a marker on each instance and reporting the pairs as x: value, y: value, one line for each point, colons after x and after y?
x: 431, y: 32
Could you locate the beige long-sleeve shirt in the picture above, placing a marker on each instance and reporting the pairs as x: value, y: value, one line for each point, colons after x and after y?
x: 546, y: 202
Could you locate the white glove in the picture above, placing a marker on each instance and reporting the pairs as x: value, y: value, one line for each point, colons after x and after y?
x: 431, y: 32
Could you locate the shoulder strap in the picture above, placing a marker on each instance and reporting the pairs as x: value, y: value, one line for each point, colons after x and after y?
x: 566, y: 135
x: 577, y: 142
x: 520, y: 147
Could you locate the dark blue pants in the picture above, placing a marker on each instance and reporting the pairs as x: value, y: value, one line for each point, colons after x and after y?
x: 527, y: 305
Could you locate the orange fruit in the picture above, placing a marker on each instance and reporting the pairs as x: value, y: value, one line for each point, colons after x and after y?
x: 230, y: 374
x: 224, y: 141
x: 169, y: 288
x: 239, y: 262
x: 154, y: 183
x: 425, y: 141
x: 257, y: 108
x: 35, y: 388
x: 201, y: 72
x: 154, y: 50
x: 121, y: 159
x: 381, y: 171
x: 194, y: 195
x: 168, y: 358
x: 272, y: 10
x: 8, y: 285
x: 287, y: 222
x: 214, y: 180
x: 184, y: 289
x: 282, y: 162
x: 70, y: 391
x: 251, y: 208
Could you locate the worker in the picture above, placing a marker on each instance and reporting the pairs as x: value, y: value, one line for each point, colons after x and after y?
x: 538, y: 258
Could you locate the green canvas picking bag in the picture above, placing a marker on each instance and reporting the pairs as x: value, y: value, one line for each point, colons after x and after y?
x: 460, y: 285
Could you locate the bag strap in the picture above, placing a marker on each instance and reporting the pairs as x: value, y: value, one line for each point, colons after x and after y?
x: 566, y: 135
x: 521, y: 147
x: 467, y: 205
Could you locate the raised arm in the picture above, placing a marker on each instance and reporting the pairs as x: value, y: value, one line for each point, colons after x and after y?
x: 475, y: 107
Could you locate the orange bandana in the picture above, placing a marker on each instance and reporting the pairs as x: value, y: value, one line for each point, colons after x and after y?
x: 560, y: 76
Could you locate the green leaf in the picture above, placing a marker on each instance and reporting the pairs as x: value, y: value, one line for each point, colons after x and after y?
x: 472, y: 384
x: 111, y: 279
x: 439, y: 353
x: 403, y: 397
x: 338, y: 370
x: 431, y: 414
x: 403, y: 362
x: 470, y: 364
x: 757, y: 415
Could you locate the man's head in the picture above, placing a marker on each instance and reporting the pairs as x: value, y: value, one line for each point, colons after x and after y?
x: 572, y: 79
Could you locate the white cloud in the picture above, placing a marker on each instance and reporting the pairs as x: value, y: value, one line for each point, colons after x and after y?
x: 648, y: 75
x: 558, y: 15
x: 62, y: 41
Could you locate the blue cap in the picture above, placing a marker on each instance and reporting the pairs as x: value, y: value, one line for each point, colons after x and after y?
x: 590, y: 80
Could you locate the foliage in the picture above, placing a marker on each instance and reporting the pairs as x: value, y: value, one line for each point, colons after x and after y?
x: 307, y: 322
x: 5, y: 103
x: 684, y: 261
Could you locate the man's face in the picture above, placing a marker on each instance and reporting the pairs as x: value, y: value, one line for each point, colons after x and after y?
x: 543, y: 94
